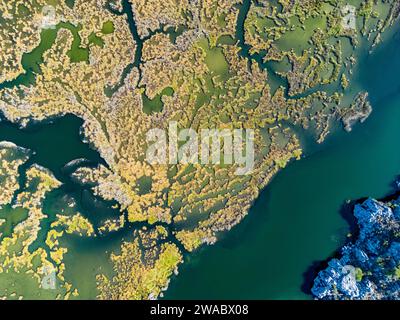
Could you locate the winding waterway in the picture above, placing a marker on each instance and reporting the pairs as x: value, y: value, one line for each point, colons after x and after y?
x: 293, y: 227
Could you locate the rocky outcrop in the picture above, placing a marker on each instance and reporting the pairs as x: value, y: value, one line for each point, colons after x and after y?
x: 370, y: 267
x: 359, y: 111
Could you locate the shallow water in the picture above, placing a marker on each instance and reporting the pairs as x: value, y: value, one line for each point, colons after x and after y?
x: 294, y: 225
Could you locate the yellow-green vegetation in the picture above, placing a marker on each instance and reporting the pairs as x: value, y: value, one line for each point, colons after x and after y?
x: 311, y: 35
x: 359, y: 274
x: 152, y: 14
x: 75, y: 224
x: 11, y: 158
x: 142, y: 271
x: 112, y: 225
x: 288, y: 67
x: 397, y: 273
x: 344, y: 81
x: 24, y: 272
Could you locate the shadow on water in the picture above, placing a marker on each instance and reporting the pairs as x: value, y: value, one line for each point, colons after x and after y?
x: 311, y: 274
x: 347, y: 213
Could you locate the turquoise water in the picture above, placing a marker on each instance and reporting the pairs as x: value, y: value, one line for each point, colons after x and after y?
x: 298, y: 222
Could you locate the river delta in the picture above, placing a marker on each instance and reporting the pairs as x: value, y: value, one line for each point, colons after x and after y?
x: 84, y: 215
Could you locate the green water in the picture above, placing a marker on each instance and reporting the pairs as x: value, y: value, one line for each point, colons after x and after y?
x: 298, y: 221
x: 55, y: 144
x: 294, y: 225
x: 31, y: 60
x: 156, y: 104
x: 12, y: 218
